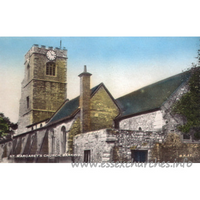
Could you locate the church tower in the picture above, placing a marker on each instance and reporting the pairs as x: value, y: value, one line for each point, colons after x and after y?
x: 44, y: 85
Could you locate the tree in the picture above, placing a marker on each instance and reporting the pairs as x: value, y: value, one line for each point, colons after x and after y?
x: 6, y: 127
x: 189, y: 105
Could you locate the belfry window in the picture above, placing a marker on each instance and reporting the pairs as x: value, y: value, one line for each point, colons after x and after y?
x: 51, y: 69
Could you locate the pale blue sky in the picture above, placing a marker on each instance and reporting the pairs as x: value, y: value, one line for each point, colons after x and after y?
x: 124, y: 64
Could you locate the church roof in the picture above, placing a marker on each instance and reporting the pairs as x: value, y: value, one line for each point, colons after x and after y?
x: 146, y: 99
x: 69, y: 108
x: 151, y: 97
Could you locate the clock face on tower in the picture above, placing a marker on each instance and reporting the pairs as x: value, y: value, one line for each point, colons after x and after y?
x: 51, y: 55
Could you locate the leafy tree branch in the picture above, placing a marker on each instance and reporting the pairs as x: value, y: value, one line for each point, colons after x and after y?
x: 189, y: 105
x: 6, y: 127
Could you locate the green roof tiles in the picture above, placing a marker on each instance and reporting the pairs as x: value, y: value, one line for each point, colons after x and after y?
x: 150, y: 97
x: 146, y: 99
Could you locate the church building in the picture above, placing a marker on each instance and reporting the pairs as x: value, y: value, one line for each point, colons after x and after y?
x: 94, y: 127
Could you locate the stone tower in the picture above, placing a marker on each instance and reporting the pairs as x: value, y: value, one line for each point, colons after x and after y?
x: 44, y: 85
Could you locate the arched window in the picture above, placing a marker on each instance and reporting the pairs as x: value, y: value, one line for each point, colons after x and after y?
x: 51, y: 69
x: 63, y: 139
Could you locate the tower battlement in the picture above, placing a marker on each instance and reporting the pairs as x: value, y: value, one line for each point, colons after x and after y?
x: 42, y: 49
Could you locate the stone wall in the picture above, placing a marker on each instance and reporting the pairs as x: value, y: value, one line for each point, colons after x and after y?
x: 161, y: 147
x: 39, y: 68
x: 96, y: 142
x: 75, y: 129
x: 102, y: 113
x: 172, y: 121
x: 38, y: 142
x: 112, y: 145
x: 102, y: 110
x: 152, y: 121
x: 126, y: 141
x: 47, y: 98
x: 25, y: 113
x: 162, y: 120
x: 46, y: 93
x: 173, y: 149
x: 58, y: 130
x: 62, y: 53
x: 49, y: 92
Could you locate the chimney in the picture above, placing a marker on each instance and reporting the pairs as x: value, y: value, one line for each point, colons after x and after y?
x: 84, y: 101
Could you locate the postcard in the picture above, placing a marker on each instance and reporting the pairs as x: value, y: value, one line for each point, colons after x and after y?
x: 100, y: 100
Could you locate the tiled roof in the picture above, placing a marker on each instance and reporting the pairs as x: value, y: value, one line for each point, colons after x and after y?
x: 150, y: 97
x: 145, y: 99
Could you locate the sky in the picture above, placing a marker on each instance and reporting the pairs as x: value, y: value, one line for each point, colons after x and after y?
x: 123, y: 64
